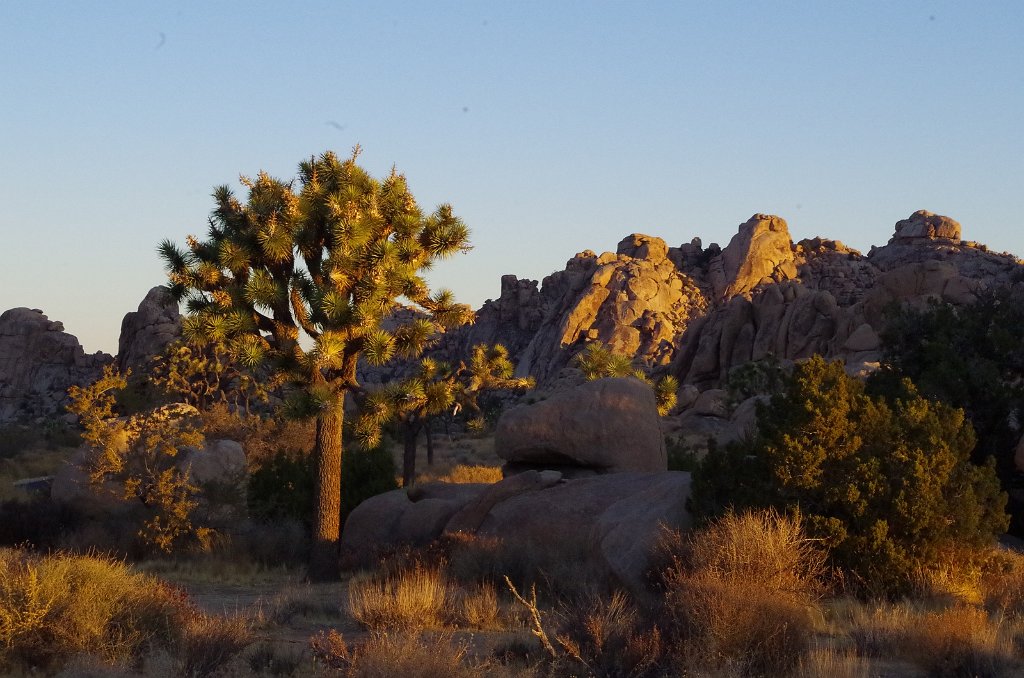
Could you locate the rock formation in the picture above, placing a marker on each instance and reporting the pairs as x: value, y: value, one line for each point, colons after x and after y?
x: 637, y: 301
x: 835, y: 304
x: 38, y: 362
x: 146, y: 332
x: 612, y: 521
x: 603, y: 426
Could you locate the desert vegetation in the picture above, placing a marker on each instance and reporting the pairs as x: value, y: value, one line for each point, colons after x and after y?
x: 194, y: 523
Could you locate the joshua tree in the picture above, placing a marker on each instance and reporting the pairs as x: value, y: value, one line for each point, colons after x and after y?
x: 433, y: 389
x: 596, y: 362
x: 299, y: 282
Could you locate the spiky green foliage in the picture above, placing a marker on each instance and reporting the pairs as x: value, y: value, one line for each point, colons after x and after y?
x: 596, y: 362
x: 886, y: 483
x: 299, y: 279
x: 434, y: 388
x: 969, y: 357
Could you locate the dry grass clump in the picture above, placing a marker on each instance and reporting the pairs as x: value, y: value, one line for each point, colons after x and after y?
x: 55, y: 607
x: 469, y: 473
x: 417, y: 598
x: 741, y: 593
x: 390, y: 654
x: 829, y: 662
x: 959, y: 640
x: 608, y: 638
x: 477, y: 607
x: 210, y: 642
x: 98, y: 611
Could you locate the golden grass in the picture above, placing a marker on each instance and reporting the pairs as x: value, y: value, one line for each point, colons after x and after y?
x: 478, y: 607
x: 417, y: 598
x: 465, y: 473
x: 402, y: 653
x: 829, y: 662
x: 742, y: 593
x: 55, y: 607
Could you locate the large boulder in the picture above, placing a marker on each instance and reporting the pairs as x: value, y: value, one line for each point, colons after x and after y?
x: 924, y: 225
x: 38, y: 362
x: 146, y: 332
x: 608, y: 425
x: 408, y: 516
x: 615, y: 519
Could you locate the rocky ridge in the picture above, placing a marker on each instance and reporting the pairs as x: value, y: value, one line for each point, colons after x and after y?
x: 39, y: 361
x: 698, y: 312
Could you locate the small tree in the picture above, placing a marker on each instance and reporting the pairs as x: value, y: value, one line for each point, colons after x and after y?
x: 206, y: 375
x: 597, y: 362
x: 433, y: 389
x: 971, y: 357
x: 299, y: 283
x: 885, y: 484
x: 139, y: 454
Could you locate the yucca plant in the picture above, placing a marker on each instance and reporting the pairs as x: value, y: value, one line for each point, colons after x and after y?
x: 597, y: 361
x: 434, y: 388
x: 299, y: 279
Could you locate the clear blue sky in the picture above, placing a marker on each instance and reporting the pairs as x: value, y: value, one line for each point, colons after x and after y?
x: 551, y: 127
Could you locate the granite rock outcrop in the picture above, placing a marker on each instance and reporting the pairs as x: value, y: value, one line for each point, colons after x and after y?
x: 38, y: 362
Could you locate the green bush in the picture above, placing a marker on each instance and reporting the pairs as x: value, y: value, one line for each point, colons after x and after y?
x: 364, y: 474
x: 283, y: 487
x: 885, y: 483
x: 970, y: 357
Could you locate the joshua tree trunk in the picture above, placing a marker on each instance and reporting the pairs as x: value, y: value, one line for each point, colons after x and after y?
x: 410, y: 431
x: 323, y: 560
x: 430, y: 444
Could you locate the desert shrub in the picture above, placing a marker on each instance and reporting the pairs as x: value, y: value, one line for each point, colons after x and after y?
x: 680, y: 455
x: 268, y: 659
x: 830, y: 662
x: 416, y: 598
x: 477, y: 607
x: 969, y: 357
x: 1002, y: 583
x: 138, y: 455
x: 560, y: 571
x: 766, y: 376
x: 961, y: 641
x: 389, y: 654
x: 55, y: 607
x: 886, y: 484
x: 741, y: 593
x: 282, y: 489
x: 16, y: 438
x: 605, y: 638
x: 281, y: 485
x: 210, y: 642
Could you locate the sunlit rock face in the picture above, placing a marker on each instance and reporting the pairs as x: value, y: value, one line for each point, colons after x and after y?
x: 146, y: 332
x: 697, y: 312
x: 38, y: 362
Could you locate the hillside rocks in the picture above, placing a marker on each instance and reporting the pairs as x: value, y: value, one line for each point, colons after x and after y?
x: 636, y: 300
x: 836, y: 303
x: 146, y: 332
x: 602, y: 426
x: 38, y: 362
